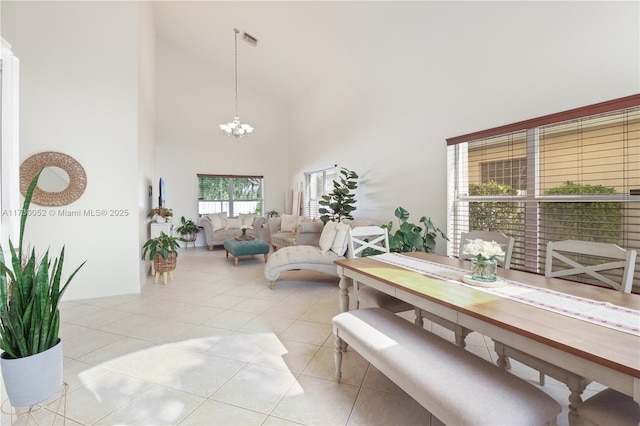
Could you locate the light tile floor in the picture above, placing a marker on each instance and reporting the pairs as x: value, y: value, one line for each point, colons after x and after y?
x: 216, y: 346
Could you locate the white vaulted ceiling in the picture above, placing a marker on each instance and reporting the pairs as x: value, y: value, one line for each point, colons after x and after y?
x: 300, y: 42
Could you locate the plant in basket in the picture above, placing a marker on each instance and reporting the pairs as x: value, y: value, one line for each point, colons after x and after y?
x: 163, y: 252
x: 31, y: 287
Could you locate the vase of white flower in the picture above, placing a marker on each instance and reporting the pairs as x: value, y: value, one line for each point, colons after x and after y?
x: 483, y: 263
x: 484, y: 269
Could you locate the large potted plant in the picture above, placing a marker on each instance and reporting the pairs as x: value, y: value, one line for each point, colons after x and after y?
x: 30, y: 291
x: 340, y: 203
x: 411, y: 237
x: 163, y: 252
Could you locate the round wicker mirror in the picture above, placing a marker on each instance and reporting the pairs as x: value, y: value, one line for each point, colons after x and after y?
x: 61, y: 172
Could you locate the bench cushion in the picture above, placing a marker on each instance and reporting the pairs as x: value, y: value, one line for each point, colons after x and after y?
x: 456, y: 386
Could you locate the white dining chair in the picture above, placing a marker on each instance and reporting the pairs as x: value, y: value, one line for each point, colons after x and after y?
x: 460, y: 332
x: 376, y: 240
x: 596, y: 258
x: 607, y: 256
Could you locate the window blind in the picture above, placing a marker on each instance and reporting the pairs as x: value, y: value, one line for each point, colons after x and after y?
x: 317, y: 184
x: 572, y: 175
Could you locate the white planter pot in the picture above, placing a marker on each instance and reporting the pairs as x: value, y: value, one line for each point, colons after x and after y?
x: 160, y: 219
x: 33, y: 379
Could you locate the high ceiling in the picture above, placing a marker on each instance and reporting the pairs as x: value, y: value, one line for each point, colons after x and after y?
x: 300, y: 42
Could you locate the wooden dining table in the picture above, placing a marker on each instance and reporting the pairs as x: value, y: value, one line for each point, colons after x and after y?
x: 601, y: 354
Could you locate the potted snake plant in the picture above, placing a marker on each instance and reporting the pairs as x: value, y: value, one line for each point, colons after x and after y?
x: 31, y: 287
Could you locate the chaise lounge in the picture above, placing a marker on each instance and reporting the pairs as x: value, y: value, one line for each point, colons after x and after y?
x: 323, y: 250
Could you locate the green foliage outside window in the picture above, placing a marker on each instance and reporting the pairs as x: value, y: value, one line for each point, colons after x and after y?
x: 505, y: 217
x: 237, y: 192
x: 585, y: 221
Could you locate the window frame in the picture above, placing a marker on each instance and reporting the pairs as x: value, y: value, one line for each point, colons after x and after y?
x: 231, y: 201
x: 311, y: 203
x: 532, y: 256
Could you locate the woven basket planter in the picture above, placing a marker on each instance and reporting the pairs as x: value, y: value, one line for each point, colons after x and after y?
x: 162, y: 265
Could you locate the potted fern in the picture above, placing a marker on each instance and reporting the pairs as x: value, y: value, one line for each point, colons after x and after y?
x: 30, y: 291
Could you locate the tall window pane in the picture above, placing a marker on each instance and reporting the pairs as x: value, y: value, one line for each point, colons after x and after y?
x: 317, y: 184
x: 231, y: 194
x: 566, y: 179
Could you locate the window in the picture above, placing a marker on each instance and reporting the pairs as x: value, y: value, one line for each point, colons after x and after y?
x: 317, y: 184
x: 573, y: 175
x: 230, y: 194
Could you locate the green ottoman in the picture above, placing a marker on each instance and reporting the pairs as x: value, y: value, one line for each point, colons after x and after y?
x: 239, y: 248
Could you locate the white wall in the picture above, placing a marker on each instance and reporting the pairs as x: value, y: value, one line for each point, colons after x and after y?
x: 193, y: 100
x: 440, y: 70
x: 79, y: 96
x: 146, y: 124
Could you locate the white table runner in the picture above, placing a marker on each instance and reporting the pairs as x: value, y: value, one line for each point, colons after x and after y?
x: 602, y: 313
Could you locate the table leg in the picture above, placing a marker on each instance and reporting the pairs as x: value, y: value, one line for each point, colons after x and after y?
x: 266, y: 256
x: 235, y: 260
x: 344, y: 291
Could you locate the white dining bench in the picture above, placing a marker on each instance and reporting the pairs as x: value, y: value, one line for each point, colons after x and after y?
x: 456, y: 386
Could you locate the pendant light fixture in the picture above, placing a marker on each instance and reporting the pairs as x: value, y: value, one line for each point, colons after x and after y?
x: 235, y: 128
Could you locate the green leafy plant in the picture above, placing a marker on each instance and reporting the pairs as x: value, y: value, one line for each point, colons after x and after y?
x: 162, y: 245
x: 187, y: 227
x: 411, y: 237
x: 30, y: 291
x: 273, y: 213
x: 340, y: 203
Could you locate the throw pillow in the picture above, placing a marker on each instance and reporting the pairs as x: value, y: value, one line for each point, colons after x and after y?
x: 341, y: 240
x: 218, y: 221
x: 233, y: 223
x: 247, y: 219
x: 328, y: 235
x: 289, y: 223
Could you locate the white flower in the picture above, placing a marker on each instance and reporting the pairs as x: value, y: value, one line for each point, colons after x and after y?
x: 485, y: 249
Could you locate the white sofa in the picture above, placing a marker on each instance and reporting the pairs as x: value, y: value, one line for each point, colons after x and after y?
x: 218, y: 227
x: 307, y: 257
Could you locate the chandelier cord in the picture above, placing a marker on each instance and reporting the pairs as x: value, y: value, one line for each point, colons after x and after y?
x: 235, y: 127
x: 236, y: 31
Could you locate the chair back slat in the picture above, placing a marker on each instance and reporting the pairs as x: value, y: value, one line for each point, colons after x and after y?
x: 609, y: 256
x: 364, y: 237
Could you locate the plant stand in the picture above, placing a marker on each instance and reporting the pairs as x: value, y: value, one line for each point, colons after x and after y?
x: 164, y: 266
x: 50, y: 411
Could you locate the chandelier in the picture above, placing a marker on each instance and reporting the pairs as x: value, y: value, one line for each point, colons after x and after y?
x: 236, y: 128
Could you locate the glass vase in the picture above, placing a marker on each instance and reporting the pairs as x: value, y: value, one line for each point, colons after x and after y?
x: 484, y: 269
